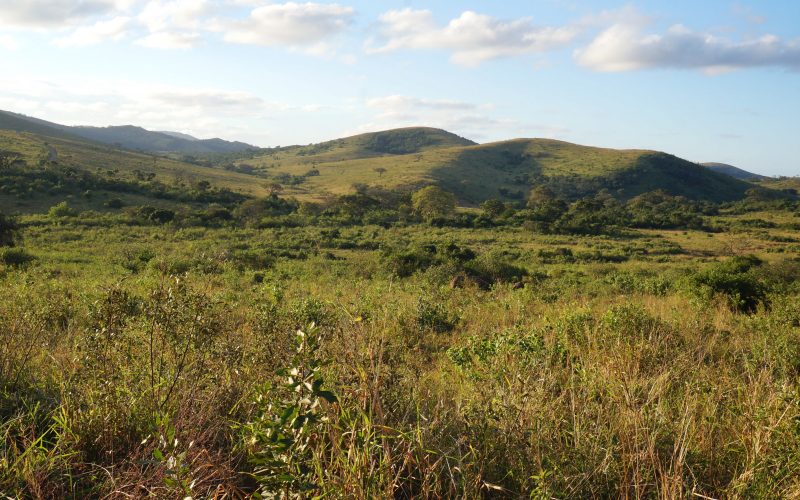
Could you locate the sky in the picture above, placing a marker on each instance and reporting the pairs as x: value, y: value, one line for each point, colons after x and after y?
x: 710, y: 80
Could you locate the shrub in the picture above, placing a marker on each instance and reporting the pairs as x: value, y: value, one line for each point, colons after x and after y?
x: 61, y: 210
x: 15, y: 257
x: 492, y: 268
x: 434, y: 316
x: 9, y: 231
x: 115, y: 203
x: 735, y: 281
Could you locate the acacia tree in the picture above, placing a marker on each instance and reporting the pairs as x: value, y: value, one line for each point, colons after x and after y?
x: 432, y: 202
x: 379, y: 170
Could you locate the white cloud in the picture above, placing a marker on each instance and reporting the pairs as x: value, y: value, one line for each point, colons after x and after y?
x: 290, y: 24
x: 202, y: 112
x: 160, y: 15
x: 169, y: 40
x: 113, y: 29
x: 56, y: 13
x: 626, y: 47
x: 472, y: 38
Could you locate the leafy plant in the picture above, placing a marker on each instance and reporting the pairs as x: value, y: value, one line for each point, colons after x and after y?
x: 285, y: 427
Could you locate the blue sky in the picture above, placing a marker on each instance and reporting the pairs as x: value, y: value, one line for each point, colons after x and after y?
x: 708, y: 81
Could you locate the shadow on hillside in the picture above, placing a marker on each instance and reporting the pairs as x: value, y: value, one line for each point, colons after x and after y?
x: 505, y: 172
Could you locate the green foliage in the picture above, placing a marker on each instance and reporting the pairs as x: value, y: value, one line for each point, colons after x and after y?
x: 280, y: 437
x: 736, y: 281
x: 493, y: 208
x: 154, y: 215
x: 61, y: 210
x: 432, y: 316
x: 9, y: 231
x: 591, y: 374
x: 432, y: 202
x: 15, y: 257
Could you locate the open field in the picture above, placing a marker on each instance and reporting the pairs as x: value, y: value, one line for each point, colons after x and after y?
x: 146, y: 360
x: 394, y: 315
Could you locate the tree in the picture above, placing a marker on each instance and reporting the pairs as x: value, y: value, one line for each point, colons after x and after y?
x: 493, y: 207
x: 540, y: 195
x: 9, y: 231
x: 274, y: 188
x: 379, y: 170
x: 433, y: 202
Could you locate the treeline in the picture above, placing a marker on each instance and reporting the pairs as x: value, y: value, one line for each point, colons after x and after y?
x: 543, y: 211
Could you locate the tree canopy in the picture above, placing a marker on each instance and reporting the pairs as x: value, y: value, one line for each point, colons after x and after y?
x: 432, y: 202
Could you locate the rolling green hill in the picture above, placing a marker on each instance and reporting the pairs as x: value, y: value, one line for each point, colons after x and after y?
x: 60, y: 165
x: 402, y: 159
x: 506, y: 170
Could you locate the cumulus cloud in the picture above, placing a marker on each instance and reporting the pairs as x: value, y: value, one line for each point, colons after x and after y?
x: 627, y: 47
x: 202, y: 112
x: 472, y: 38
x: 114, y: 29
x: 160, y: 15
x: 169, y: 40
x: 55, y: 13
x: 290, y: 24
x: 182, y: 24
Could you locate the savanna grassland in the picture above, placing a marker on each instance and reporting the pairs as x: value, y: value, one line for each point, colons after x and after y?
x: 174, y: 338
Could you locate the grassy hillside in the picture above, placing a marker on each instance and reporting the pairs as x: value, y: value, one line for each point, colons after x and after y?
x: 398, y: 142
x: 506, y: 170
x: 402, y: 159
x: 65, y: 155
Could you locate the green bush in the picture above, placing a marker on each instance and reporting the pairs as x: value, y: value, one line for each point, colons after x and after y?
x: 736, y: 281
x: 61, y: 210
x: 15, y: 257
x: 434, y: 316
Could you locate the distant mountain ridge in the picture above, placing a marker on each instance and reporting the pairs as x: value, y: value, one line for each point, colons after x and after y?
x: 735, y: 172
x: 125, y: 136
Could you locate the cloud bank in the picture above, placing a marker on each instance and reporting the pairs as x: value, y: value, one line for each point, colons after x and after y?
x: 472, y: 38
x: 627, y: 47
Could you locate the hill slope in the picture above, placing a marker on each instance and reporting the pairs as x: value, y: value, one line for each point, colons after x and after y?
x: 397, y: 142
x: 126, y: 136
x: 505, y: 170
x: 56, y: 163
x: 402, y: 159
x: 735, y: 172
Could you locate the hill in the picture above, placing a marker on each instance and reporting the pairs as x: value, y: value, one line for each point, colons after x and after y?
x: 126, y: 136
x: 735, y: 172
x: 402, y: 159
x: 51, y: 169
x: 505, y: 170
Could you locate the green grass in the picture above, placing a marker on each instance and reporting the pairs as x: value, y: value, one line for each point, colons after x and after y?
x: 144, y: 360
x: 479, y: 172
x: 407, y: 159
x: 124, y: 165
